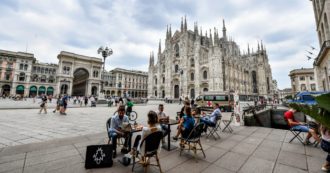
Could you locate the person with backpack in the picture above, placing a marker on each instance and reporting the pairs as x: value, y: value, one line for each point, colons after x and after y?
x: 58, y: 104
x: 65, y: 104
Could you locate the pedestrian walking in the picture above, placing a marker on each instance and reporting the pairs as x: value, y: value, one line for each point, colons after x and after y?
x: 43, y: 105
x: 86, y: 101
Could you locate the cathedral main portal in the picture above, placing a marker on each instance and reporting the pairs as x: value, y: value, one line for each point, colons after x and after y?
x: 80, y: 82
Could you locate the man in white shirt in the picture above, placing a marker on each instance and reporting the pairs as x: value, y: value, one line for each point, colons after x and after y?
x: 163, y: 118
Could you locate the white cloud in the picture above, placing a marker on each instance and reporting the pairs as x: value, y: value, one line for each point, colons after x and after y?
x: 133, y: 28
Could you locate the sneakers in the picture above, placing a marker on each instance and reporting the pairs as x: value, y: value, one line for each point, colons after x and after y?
x: 307, y: 142
x: 175, y: 138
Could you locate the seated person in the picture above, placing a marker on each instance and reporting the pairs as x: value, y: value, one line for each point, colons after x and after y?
x: 186, y: 104
x: 300, y: 126
x: 153, y: 126
x: 163, y: 118
x: 187, y: 123
x: 116, y: 130
x: 211, y: 120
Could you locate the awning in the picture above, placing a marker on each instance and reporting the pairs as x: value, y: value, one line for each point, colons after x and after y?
x: 33, y: 88
x: 20, y: 88
x: 50, y: 89
x: 41, y: 89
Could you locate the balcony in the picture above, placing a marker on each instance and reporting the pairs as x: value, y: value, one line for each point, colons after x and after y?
x: 9, y: 69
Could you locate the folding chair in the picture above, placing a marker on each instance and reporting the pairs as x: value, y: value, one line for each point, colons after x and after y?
x: 193, y: 140
x: 152, y: 142
x: 213, y: 131
x: 296, y: 134
x: 227, y: 123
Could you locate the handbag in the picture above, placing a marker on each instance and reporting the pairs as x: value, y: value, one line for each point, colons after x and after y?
x: 99, y: 156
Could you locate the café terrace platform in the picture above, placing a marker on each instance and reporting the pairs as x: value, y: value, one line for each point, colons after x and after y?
x: 247, y: 149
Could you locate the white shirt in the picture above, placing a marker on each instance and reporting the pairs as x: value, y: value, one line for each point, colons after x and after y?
x: 145, y: 132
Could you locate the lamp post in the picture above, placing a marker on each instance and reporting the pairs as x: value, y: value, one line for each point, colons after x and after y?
x: 105, y: 52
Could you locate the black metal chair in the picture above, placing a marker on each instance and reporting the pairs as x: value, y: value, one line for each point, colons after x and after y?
x: 213, y: 131
x: 227, y: 123
x: 119, y: 140
x: 152, y: 142
x: 193, y: 140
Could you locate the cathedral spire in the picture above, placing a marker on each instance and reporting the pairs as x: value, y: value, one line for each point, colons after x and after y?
x: 181, y: 24
x: 224, y: 34
x: 170, y: 32
x: 262, y: 47
x: 211, y: 40
x: 185, y: 23
x: 196, y: 28
x: 248, y: 49
x: 166, y: 32
x: 159, y: 47
x: 258, y: 47
x: 201, y: 32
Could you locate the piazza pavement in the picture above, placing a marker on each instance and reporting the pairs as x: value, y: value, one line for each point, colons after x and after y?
x: 32, y: 142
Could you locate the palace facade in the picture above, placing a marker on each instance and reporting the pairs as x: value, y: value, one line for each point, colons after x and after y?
x: 76, y: 75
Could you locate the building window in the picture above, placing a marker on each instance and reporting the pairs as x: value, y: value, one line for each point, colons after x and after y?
x: 303, y: 87
x: 192, y: 76
x: 43, y: 78
x: 156, y: 81
x: 51, y: 79
x: 302, y: 78
x: 311, y: 78
x: 313, y: 87
x: 25, y: 67
x: 95, y: 74
x: 192, y: 62
x: 205, y: 74
x: 163, y: 79
x: 176, y: 68
x: 292, y: 79
x: 7, y: 76
x: 42, y: 70
x: 177, y: 50
x: 21, y: 66
x: 163, y: 68
x: 21, y: 77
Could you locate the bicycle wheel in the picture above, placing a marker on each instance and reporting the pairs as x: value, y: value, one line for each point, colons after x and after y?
x: 133, y: 116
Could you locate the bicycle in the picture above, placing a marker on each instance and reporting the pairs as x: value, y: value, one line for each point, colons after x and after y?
x: 132, y: 116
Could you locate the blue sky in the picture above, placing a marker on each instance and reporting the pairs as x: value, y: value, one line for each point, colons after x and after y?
x: 132, y: 28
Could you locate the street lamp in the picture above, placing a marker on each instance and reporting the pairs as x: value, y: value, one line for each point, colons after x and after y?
x: 105, y: 52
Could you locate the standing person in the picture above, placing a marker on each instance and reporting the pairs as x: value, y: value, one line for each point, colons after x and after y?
x: 162, y: 117
x: 211, y: 120
x: 180, y: 100
x: 192, y: 103
x: 81, y: 100
x: 121, y: 101
x: 65, y: 104
x: 300, y: 126
x: 86, y: 101
x: 325, y: 145
x: 58, y: 104
x: 116, y: 130
x: 43, y: 105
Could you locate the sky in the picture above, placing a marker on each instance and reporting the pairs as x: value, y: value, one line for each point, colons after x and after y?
x: 133, y: 28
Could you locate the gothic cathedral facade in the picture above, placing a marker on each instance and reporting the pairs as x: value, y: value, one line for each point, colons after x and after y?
x: 192, y: 64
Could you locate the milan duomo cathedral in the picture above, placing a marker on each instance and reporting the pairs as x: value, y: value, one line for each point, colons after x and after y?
x: 193, y: 63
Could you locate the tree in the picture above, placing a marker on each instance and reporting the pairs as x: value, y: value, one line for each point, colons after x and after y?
x: 320, y: 112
